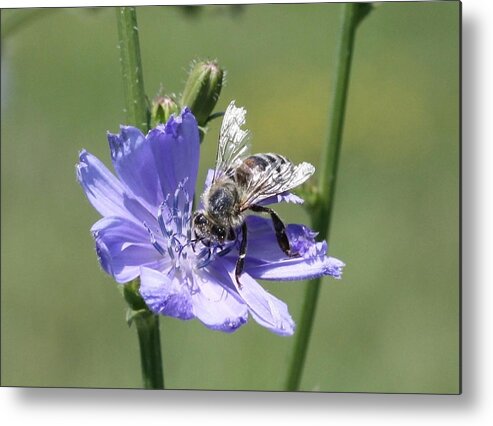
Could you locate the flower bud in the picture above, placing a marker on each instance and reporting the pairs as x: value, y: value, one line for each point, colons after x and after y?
x: 162, y: 109
x: 202, y: 89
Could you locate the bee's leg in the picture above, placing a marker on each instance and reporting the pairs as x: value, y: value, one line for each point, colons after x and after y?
x: 279, y: 227
x: 231, y: 234
x: 240, y: 263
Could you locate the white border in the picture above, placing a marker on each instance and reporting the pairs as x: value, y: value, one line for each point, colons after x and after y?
x: 47, y: 407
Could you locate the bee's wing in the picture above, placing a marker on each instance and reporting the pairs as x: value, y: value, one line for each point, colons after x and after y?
x: 279, y: 176
x: 233, y: 141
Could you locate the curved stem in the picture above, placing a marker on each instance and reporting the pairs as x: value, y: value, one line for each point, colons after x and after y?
x: 352, y: 13
x: 137, y: 114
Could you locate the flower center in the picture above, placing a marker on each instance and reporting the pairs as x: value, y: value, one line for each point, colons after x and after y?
x: 174, y: 240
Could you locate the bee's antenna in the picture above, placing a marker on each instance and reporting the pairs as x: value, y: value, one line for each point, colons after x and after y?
x: 193, y: 242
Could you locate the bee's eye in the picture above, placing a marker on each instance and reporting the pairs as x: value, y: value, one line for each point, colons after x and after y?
x: 220, y: 232
x: 200, y: 219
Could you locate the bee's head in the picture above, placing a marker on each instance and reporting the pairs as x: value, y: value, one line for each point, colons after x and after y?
x: 207, y: 230
x: 201, y: 225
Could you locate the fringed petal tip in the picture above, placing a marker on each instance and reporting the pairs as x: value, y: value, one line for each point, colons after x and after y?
x: 185, y: 112
x: 81, y: 163
x: 124, y: 143
x: 286, y: 327
x: 82, y: 153
x: 285, y: 331
x: 265, y: 309
x: 334, y: 267
x: 172, y: 126
x: 81, y: 166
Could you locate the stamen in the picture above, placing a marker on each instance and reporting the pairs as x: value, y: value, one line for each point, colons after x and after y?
x: 181, y: 216
x: 185, y: 220
x: 174, y: 218
x: 204, y: 262
x: 176, y: 210
x: 225, y: 251
x: 169, y: 246
x: 189, y: 229
x: 165, y: 225
x: 156, y: 245
x: 176, y: 242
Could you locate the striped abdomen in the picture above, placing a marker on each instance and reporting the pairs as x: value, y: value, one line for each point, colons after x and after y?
x: 259, y: 163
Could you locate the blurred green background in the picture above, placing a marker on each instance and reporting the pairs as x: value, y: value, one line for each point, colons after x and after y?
x: 390, y: 325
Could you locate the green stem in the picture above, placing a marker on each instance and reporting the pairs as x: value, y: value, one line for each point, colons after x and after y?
x: 138, y: 115
x: 150, y: 350
x: 352, y: 13
x: 137, y: 112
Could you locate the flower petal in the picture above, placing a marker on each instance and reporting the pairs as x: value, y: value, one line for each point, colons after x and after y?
x: 262, y: 241
x: 266, y: 309
x: 105, y: 192
x: 122, y: 247
x: 298, y: 268
x: 218, y: 306
x: 288, y: 197
x: 265, y: 259
x: 165, y: 296
x: 134, y: 163
x: 176, y: 149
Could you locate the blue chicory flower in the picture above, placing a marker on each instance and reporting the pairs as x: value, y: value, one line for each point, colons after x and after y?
x: 146, y: 231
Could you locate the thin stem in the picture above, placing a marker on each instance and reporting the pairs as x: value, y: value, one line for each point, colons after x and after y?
x: 137, y: 112
x: 148, y: 333
x: 321, y: 216
x: 138, y: 115
x: 150, y: 350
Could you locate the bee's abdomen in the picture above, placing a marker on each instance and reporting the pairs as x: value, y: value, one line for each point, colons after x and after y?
x: 258, y: 163
x: 263, y: 161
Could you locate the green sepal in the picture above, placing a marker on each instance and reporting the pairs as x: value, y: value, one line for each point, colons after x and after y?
x: 214, y: 116
x: 136, y: 305
x: 131, y: 315
x: 132, y: 295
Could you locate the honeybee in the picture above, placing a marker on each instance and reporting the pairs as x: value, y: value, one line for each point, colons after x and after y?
x: 241, y: 182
